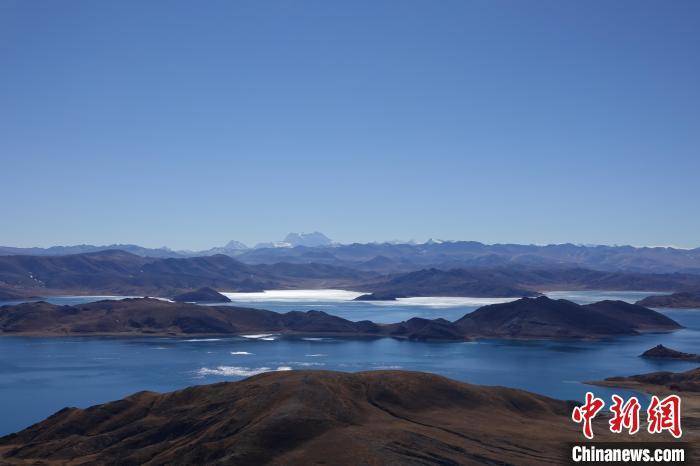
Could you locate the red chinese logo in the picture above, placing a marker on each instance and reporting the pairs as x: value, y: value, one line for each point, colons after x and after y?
x: 662, y: 415
x: 587, y: 413
x: 665, y: 415
x: 624, y: 415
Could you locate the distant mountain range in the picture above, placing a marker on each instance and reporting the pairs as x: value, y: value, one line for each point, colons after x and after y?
x: 406, y: 257
x: 86, y: 248
x: 292, y: 240
x: 388, y: 257
x: 122, y: 273
x: 232, y: 248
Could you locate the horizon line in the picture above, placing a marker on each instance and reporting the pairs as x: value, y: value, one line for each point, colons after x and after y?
x: 411, y: 242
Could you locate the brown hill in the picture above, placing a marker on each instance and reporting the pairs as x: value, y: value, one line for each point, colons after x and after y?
x: 307, y: 417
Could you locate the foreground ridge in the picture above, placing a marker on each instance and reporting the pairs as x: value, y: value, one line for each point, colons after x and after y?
x: 302, y: 417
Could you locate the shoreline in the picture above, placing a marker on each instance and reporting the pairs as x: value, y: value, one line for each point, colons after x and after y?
x: 519, y: 320
x: 59, y: 293
x: 348, y: 336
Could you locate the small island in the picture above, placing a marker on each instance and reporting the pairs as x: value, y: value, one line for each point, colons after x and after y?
x: 682, y: 300
x: 202, y: 295
x: 662, y: 352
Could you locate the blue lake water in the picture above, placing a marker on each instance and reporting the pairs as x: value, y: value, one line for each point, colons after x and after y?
x: 39, y: 376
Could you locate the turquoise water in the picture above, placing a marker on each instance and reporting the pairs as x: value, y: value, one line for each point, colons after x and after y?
x: 39, y: 376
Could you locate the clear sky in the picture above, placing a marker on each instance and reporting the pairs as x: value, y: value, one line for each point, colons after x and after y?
x: 187, y: 124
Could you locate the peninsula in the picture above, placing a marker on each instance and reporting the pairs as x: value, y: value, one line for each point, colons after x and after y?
x: 526, y: 318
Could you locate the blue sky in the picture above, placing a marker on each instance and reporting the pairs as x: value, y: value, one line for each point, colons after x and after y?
x: 187, y: 124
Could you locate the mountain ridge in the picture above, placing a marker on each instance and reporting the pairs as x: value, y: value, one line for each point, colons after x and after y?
x: 122, y: 273
x: 440, y: 254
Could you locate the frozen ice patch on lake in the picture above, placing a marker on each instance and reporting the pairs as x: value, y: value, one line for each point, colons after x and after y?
x: 236, y: 371
x: 191, y: 340
x: 262, y: 336
x: 295, y: 296
x: 443, y: 301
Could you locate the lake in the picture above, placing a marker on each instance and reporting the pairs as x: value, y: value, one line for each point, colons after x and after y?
x: 39, y: 376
